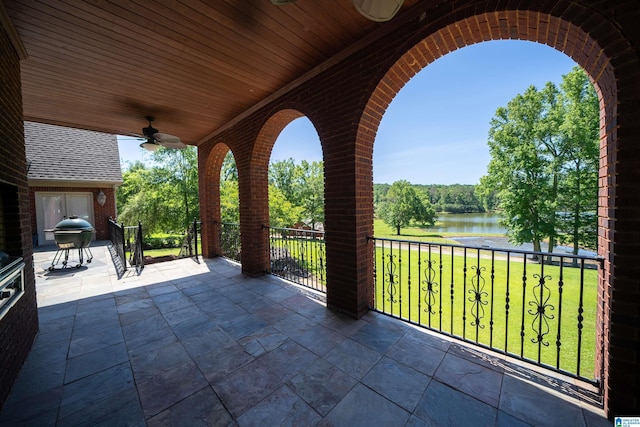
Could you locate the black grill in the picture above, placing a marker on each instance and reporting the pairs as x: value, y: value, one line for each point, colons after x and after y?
x: 72, y: 233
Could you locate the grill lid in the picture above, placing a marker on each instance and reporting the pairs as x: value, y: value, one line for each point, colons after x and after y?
x: 73, y: 223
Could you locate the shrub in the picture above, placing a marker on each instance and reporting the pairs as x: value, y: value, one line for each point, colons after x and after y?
x: 170, y: 241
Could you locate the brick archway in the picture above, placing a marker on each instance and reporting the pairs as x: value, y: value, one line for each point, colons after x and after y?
x: 599, y: 64
x: 210, y: 205
x: 346, y: 99
x: 253, y: 187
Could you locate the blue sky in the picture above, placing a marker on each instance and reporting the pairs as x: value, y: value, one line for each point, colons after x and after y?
x: 435, y: 130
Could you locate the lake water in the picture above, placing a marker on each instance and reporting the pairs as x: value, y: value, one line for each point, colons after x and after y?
x: 486, y: 223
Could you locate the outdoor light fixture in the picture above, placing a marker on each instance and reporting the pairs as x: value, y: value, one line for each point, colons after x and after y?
x: 378, y: 10
x: 101, y: 198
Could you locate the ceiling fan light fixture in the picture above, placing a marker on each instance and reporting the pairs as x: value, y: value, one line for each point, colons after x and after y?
x: 378, y: 10
x: 149, y: 146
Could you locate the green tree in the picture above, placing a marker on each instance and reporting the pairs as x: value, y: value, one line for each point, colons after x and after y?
x: 302, y: 185
x: 579, y: 187
x: 134, y: 180
x: 544, y: 162
x: 309, y: 191
x: 282, y: 213
x: 229, y: 170
x: 403, y: 204
x: 379, y: 193
x: 163, y: 197
x: 520, y: 170
x: 179, y: 169
x: 229, y: 194
x: 229, y: 202
x: 282, y: 174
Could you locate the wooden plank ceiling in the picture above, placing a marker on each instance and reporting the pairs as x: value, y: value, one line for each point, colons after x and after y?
x: 194, y: 65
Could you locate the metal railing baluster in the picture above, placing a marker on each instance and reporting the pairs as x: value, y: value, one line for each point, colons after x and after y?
x: 399, y: 269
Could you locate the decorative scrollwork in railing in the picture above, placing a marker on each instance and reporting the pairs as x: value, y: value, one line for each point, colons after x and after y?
x: 477, y: 294
x: 321, y: 257
x: 391, y: 278
x: 431, y: 287
x: 541, y: 295
x: 494, y: 298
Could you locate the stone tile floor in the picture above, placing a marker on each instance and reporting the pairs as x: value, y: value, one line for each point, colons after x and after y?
x: 191, y: 343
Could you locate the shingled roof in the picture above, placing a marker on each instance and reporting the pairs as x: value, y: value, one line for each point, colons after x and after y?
x: 71, y: 156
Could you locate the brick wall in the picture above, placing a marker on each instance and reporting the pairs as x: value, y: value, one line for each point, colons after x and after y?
x: 101, y: 214
x: 346, y: 101
x: 20, y: 325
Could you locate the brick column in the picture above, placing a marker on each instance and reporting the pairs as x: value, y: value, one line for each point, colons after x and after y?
x: 253, y: 192
x: 348, y: 221
x: 620, y: 226
x: 19, y: 325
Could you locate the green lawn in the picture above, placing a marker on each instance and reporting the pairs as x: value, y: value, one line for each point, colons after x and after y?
x: 161, y: 252
x: 423, y: 287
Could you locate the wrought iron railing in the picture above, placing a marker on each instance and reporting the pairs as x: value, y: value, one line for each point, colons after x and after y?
x: 135, y: 244
x: 299, y: 256
x: 504, y: 300
x: 116, y: 235
x: 130, y: 232
x: 189, y: 247
x: 230, y: 240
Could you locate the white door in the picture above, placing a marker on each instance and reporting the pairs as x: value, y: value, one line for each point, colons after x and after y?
x: 51, y: 208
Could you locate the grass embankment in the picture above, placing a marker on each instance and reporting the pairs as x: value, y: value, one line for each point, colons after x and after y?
x: 402, y: 290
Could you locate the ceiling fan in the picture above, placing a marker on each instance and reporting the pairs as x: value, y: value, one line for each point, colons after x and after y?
x: 374, y: 10
x: 155, y: 139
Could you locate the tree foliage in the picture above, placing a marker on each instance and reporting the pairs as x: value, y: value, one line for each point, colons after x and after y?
x: 578, y: 190
x: 163, y: 197
x: 454, y: 198
x: 403, y: 204
x: 229, y: 193
x: 302, y: 185
x: 296, y: 192
x: 543, y: 147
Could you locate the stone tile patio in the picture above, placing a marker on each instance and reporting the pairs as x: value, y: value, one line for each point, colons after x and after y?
x: 191, y: 343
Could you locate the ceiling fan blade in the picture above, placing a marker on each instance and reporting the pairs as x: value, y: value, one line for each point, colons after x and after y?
x: 165, y: 137
x: 172, y: 145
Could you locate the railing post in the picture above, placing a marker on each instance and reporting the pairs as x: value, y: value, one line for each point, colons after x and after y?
x: 141, y: 243
x: 122, y: 241
x: 116, y: 235
x: 195, y: 237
